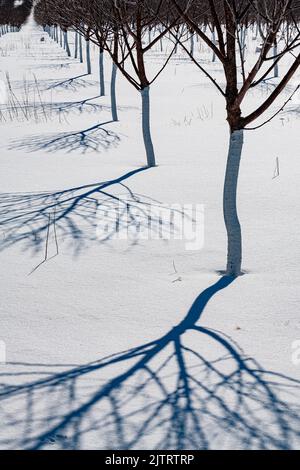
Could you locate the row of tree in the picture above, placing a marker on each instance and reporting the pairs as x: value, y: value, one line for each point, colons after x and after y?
x: 14, y: 12
x: 129, y: 30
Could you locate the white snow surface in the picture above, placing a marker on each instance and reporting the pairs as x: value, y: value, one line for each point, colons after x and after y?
x: 92, y: 357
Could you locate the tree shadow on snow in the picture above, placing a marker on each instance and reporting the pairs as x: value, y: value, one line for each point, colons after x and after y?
x: 192, y: 388
x: 73, y: 83
x: 95, y: 212
x: 95, y: 138
x: 45, y: 112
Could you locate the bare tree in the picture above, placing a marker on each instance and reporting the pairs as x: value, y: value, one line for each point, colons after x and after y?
x: 65, y: 14
x: 122, y: 28
x: 229, y: 18
x: 125, y: 37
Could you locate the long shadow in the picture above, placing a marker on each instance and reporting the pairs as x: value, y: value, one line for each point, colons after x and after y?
x: 46, y: 111
x: 71, y: 83
x: 96, y: 138
x: 291, y: 110
x: 63, y: 65
x: 192, y: 388
x: 79, y: 215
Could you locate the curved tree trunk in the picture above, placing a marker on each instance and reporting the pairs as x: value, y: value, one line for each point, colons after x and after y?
x: 114, y: 109
x: 234, y: 235
x: 146, y: 127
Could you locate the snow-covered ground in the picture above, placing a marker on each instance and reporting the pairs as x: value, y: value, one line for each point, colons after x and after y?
x: 92, y: 356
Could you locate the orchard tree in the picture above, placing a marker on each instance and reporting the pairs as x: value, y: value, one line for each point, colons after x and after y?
x: 86, y: 23
x: 77, y: 15
x: 229, y: 18
x: 125, y: 30
x: 121, y: 28
x: 62, y: 13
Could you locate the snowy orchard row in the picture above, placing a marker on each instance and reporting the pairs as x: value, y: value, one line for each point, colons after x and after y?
x: 128, y: 31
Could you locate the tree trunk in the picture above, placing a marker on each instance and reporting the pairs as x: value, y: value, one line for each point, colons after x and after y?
x: 276, y: 67
x: 101, y: 72
x: 146, y: 127
x: 114, y: 109
x: 80, y: 49
x: 243, y: 36
x: 76, y: 46
x: 192, y: 44
x: 233, y: 228
x: 213, y: 38
x: 88, y: 57
x: 67, y: 47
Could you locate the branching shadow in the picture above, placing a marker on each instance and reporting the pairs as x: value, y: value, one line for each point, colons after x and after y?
x: 293, y: 110
x: 46, y: 111
x: 73, y: 83
x: 79, y: 215
x: 95, y: 138
x: 62, y: 65
x: 193, y: 388
x: 78, y: 106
